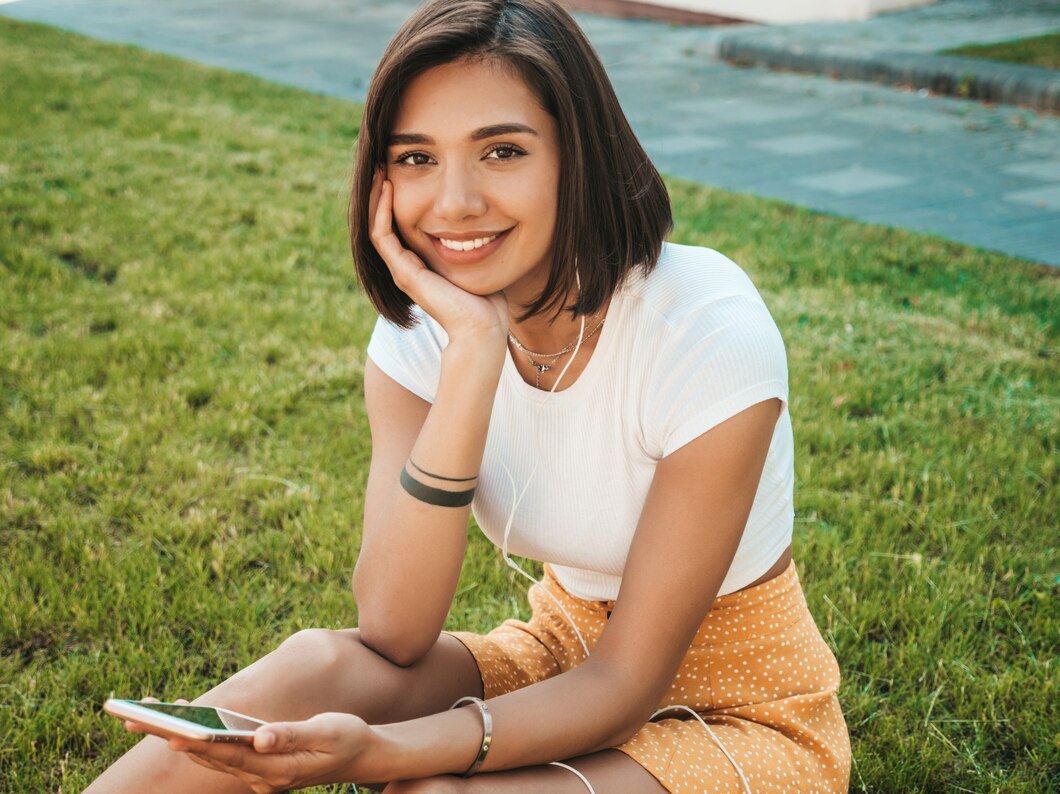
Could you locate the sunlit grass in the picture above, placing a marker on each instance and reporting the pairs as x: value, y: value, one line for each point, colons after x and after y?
x: 1034, y: 51
x: 183, y: 444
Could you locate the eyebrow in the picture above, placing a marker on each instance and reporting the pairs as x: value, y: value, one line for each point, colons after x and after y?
x: 492, y: 131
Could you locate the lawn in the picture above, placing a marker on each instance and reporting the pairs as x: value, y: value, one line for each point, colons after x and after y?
x: 1036, y: 51
x: 183, y: 443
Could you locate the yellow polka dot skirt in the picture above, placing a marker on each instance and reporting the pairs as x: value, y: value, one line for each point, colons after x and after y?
x: 758, y: 673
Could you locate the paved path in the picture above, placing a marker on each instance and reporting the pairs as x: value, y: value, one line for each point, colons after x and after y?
x: 987, y: 176
x: 906, y: 49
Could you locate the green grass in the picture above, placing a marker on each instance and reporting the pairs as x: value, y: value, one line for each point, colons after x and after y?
x: 1036, y: 51
x: 183, y: 441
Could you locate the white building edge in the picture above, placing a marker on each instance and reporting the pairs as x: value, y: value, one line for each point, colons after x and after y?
x: 785, y: 12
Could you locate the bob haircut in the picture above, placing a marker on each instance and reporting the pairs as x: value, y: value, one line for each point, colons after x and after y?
x: 613, y: 210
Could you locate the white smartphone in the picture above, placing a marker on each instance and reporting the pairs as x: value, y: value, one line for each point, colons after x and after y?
x: 204, y: 723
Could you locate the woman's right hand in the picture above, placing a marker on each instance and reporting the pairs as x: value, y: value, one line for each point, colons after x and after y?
x: 459, y: 312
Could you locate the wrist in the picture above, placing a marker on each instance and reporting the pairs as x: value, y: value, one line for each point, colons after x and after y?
x: 445, y: 743
x: 377, y: 762
x: 482, y: 355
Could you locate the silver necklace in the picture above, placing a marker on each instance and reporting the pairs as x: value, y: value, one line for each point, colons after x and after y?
x: 541, y: 368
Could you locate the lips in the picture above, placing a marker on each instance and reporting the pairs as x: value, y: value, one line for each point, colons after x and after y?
x: 468, y: 248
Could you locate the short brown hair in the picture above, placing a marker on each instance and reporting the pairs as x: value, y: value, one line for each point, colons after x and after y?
x: 613, y: 208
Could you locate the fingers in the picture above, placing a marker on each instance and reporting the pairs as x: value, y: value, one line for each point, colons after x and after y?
x: 380, y: 211
x: 382, y: 221
x: 259, y: 772
x: 404, y: 265
x: 382, y: 234
x: 205, y: 762
x: 373, y: 199
x: 276, y: 737
x: 229, y: 756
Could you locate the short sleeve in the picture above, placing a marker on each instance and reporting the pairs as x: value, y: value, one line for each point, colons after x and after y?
x: 411, y: 356
x: 714, y: 362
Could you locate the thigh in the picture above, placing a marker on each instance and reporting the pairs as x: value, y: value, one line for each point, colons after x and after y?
x: 320, y: 670
x: 608, y: 772
x: 313, y: 671
x: 735, y: 754
x: 612, y: 771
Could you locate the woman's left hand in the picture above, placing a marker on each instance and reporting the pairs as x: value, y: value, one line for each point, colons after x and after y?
x: 288, y: 755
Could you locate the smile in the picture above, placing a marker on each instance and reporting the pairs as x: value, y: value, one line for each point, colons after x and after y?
x: 467, y: 245
x: 469, y: 251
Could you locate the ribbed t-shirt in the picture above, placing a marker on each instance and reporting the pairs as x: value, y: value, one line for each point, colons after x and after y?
x: 683, y: 348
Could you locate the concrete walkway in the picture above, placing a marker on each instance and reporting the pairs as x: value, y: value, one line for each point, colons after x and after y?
x: 906, y: 49
x: 984, y: 175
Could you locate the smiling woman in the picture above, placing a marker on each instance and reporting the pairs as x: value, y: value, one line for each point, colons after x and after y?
x: 477, y: 199
x: 502, y: 207
x: 536, y: 50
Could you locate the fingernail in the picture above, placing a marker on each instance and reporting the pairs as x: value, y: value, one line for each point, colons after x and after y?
x: 267, y: 740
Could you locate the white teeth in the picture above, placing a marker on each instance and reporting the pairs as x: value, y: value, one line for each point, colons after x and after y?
x: 467, y: 245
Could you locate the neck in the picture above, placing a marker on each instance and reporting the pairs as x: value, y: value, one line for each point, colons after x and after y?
x: 546, y: 335
x: 542, y: 350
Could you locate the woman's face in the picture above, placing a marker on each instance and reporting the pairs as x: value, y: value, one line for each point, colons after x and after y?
x: 474, y: 160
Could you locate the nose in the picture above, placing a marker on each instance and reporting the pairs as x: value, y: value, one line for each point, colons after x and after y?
x: 460, y: 195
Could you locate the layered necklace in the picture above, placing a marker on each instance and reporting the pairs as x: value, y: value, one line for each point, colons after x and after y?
x: 543, y: 362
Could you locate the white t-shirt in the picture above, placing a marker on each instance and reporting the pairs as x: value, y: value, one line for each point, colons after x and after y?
x: 683, y: 349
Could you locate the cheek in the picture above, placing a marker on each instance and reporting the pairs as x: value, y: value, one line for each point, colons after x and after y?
x: 546, y: 205
x: 546, y: 194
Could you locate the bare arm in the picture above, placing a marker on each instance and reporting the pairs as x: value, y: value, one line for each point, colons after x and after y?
x: 411, y: 552
x: 688, y: 533
x: 687, y: 536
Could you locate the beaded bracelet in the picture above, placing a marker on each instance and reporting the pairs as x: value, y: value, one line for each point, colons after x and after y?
x: 487, y: 731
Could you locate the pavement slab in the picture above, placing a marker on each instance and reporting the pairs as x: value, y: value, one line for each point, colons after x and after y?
x: 985, y: 175
x: 907, y: 48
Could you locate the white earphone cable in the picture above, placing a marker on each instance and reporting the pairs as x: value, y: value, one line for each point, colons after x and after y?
x: 517, y: 498
x: 717, y: 741
x: 582, y: 777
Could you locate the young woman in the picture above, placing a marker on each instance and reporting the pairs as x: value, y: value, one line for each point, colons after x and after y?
x: 610, y: 404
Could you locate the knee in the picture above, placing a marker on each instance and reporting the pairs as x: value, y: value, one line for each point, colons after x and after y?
x: 323, y: 651
x: 443, y: 784
x: 333, y: 652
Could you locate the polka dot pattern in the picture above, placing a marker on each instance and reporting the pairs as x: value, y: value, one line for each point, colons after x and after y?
x: 758, y: 672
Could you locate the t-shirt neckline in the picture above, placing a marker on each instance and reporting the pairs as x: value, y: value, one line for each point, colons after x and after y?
x: 596, y: 364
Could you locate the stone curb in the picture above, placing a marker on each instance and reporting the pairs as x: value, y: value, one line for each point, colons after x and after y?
x: 968, y: 78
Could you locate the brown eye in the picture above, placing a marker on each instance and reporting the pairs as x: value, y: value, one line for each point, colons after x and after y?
x: 505, y: 151
x: 413, y: 158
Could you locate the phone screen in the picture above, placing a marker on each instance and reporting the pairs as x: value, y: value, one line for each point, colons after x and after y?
x: 205, y: 716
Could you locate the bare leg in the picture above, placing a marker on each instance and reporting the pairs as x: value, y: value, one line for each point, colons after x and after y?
x: 609, y: 771
x: 313, y: 671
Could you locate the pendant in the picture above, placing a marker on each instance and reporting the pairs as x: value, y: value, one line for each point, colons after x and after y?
x: 539, y: 369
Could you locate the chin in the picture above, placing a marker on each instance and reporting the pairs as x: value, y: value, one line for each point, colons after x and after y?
x: 475, y: 286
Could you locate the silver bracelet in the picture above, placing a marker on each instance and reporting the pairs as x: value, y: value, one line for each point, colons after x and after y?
x: 487, y: 731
